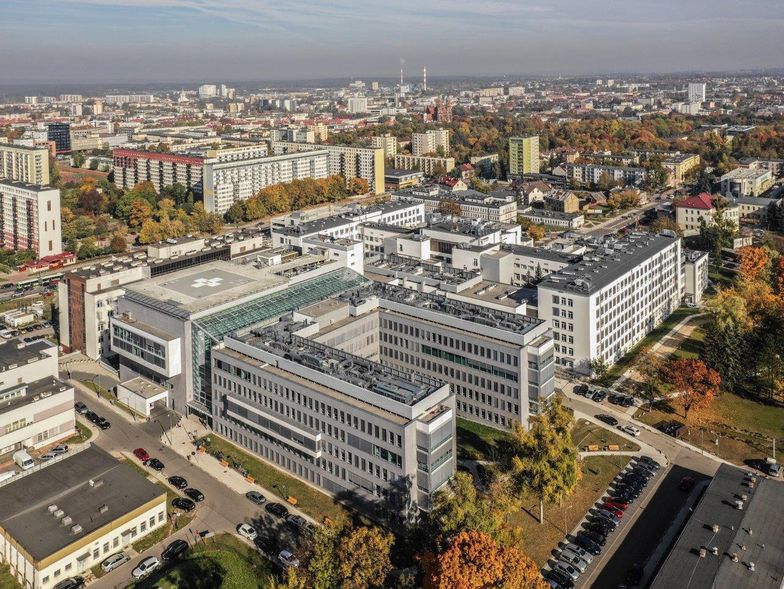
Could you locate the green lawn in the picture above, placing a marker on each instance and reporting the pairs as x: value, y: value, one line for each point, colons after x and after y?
x: 7, y: 580
x: 586, y: 433
x: 316, y: 504
x: 480, y: 442
x: 691, y: 348
x: 221, y: 562
x: 540, y: 539
x: 653, y: 337
x: 96, y: 388
x: 83, y: 434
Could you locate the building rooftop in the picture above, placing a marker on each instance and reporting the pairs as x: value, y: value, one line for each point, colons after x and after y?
x: 349, y: 216
x: 61, y: 504
x: 143, y: 387
x: 18, y: 395
x: 753, y: 534
x: 26, y: 186
x: 397, y: 173
x: 745, y: 174
x: 702, y: 201
x: 463, y: 226
x: 608, y: 261
x: 546, y: 214
x: 541, y: 253
x: 15, y: 352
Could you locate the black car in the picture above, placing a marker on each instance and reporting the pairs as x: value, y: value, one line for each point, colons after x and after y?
x: 608, y: 419
x: 615, y: 398
x: 177, y: 482
x: 184, y: 504
x: 80, y: 407
x: 92, y: 416
x: 587, y: 544
x: 174, y: 550
x: 628, y: 489
x: 599, y: 396
x: 648, y: 463
x: 642, y: 472
x: 625, y: 495
x: 559, y: 578
x: 595, y: 537
x: 635, y: 479
x: 103, y: 423
x: 71, y: 583
x: 277, y: 509
x: 582, y: 390
x: 266, y: 544
x: 154, y: 464
x: 627, y: 401
x: 194, y: 494
x: 612, y: 524
x: 598, y: 527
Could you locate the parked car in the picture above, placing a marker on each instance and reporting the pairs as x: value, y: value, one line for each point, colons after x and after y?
x: 609, y: 515
x: 588, y: 545
x: 584, y: 536
x: 174, y: 550
x: 623, y: 505
x: 256, y: 497
x: 599, y: 528
x: 630, y: 429
x: 672, y: 428
x: 247, y: 531
x: 634, y: 479
x: 92, y: 416
x: 569, y: 557
x: 648, y: 463
x: 277, y: 509
x: 103, y: 423
x: 48, y: 456
x: 114, y: 561
x: 561, y: 578
x: 70, y: 583
x: 297, y: 521
x: 581, y: 552
x: 567, y: 569
x: 614, y: 510
x: 177, y: 482
x: 582, y: 390
x: 608, y: 419
x: 605, y: 520
x: 598, y: 396
x: 81, y: 408
x: 626, y: 491
x: 154, y: 464
x: 145, y: 567
x: 287, y: 559
x: 194, y: 494
x: 183, y: 503
x: 627, y: 401
x: 59, y: 449
x: 141, y: 454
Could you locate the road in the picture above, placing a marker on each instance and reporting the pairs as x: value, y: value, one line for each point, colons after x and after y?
x: 222, y: 508
x: 615, y: 225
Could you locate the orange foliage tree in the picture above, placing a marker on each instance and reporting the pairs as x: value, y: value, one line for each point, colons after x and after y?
x: 754, y: 264
x: 697, y: 383
x: 474, y: 560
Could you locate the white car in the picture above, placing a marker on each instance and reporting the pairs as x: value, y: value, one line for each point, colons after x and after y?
x: 631, y: 430
x: 145, y: 567
x: 287, y: 559
x: 247, y: 531
x: 114, y: 561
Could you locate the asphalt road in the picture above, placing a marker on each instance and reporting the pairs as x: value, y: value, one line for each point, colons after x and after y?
x: 221, y: 511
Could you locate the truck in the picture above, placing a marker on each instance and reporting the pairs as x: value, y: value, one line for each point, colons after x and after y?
x: 23, y: 459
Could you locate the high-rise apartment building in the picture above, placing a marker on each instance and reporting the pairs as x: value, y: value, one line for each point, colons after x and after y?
x: 357, y: 104
x: 30, y: 218
x: 60, y: 133
x: 523, y: 155
x: 387, y: 142
x: 208, y: 91
x: 696, y: 92
x: 133, y: 166
x: 430, y: 141
x: 20, y: 163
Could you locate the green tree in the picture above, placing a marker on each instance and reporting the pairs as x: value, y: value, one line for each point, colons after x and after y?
x: 87, y: 249
x: 546, y: 461
x: 236, y: 212
x: 719, y: 234
x: 78, y: 159
x: 598, y: 368
x: 93, y: 164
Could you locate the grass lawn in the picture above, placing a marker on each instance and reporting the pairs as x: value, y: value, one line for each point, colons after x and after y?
x: 221, y: 562
x: 691, y: 348
x: 479, y: 442
x: 316, y: 504
x: 96, y: 388
x: 539, y: 540
x: 744, y: 427
x: 653, y: 337
x: 7, y: 580
x: 587, y: 434
x: 83, y: 434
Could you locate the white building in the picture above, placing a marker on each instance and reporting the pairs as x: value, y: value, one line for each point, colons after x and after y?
x: 695, y: 275
x: 30, y: 218
x: 692, y: 212
x: 387, y: 142
x: 602, y: 306
x: 357, y: 104
x: 430, y: 141
x: 208, y: 91
x: 746, y: 182
x: 696, y: 92
x: 36, y: 408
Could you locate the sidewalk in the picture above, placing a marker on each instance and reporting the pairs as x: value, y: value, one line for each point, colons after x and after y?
x: 182, y: 439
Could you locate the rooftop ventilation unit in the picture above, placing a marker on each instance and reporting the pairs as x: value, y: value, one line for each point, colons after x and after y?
x: 52, y: 508
x: 77, y: 529
x: 67, y: 520
x: 103, y: 508
x: 59, y: 514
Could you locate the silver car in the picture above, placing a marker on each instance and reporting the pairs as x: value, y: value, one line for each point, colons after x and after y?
x: 581, y: 552
x: 567, y: 569
x: 570, y: 557
x: 114, y: 561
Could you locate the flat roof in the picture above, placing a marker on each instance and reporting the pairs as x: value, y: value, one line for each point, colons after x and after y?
x: 26, y: 500
x: 143, y: 387
x: 33, y: 391
x: 16, y: 352
x: 757, y: 527
x: 26, y: 186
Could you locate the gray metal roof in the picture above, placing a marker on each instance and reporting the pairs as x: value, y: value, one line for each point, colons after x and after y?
x: 755, y: 534
x: 15, y: 352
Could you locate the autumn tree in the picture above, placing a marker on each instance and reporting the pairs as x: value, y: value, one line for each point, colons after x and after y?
x: 546, y: 461
x: 473, y: 560
x: 358, y: 186
x: 363, y: 558
x: 140, y: 213
x: 118, y: 244
x: 754, y: 264
x: 146, y: 191
x: 150, y: 232
x: 649, y: 366
x: 535, y: 232
x: 599, y: 368
x: 719, y: 233
x: 696, y: 384
x: 449, y: 206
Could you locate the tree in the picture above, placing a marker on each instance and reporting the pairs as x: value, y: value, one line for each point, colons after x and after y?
x: 145, y: 190
x: 606, y: 182
x: 535, y: 232
x: 719, y: 234
x: 150, y: 232
x: 236, y: 212
x: 754, y: 264
x: 363, y: 557
x: 449, y: 206
x: 697, y: 384
x: 546, y: 461
x: 666, y: 224
x: 474, y: 560
x: 91, y: 202
x: 358, y: 186
x: 176, y: 192
x: 140, y: 213
x: 649, y: 367
x: 165, y: 209
x: 118, y: 244
x: 78, y: 160
x: 93, y: 164
x: 213, y: 224
x: 87, y: 249
x: 598, y: 368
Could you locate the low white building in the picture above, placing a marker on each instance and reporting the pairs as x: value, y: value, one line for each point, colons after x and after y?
x: 692, y: 212
x: 746, y: 182
x: 553, y: 218
x: 141, y: 395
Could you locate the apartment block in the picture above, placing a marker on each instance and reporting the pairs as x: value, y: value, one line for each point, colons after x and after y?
x: 696, y: 92
x: 497, y: 206
x: 387, y: 142
x: 679, y: 165
x: 523, y: 155
x: 430, y: 166
x: 603, y: 305
x: 346, y: 161
x: 357, y: 104
x: 430, y: 141
x: 36, y: 408
x: 20, y: 163
x: 60, y: 133
x: 133, y: 166
x: 30, y: 218
x: 594, y: 173
x: 691, y: 213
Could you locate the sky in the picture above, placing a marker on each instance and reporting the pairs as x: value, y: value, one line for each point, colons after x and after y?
x: 133, y: 41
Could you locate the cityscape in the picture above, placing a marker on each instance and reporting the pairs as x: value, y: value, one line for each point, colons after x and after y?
x: 391, y: 312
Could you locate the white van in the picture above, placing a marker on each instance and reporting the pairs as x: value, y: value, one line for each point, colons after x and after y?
x: 4, y: 476
x: 23, y: 460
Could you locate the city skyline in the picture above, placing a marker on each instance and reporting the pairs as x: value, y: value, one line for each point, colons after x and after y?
x: 127, y: 41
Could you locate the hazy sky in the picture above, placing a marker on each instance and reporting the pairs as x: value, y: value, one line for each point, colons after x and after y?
x: 223, y: 40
